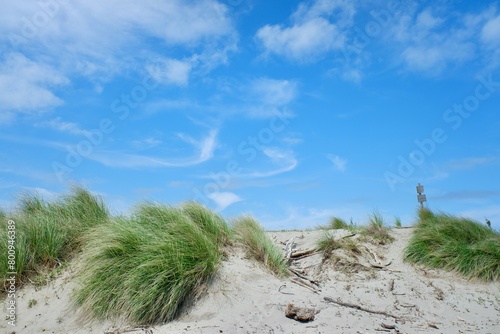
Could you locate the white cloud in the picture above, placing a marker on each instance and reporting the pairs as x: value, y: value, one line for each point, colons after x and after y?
x: 85, y: 24
x: 353, y: 75
x: 203, y: 148
x: 82, y: 39
x: 338, y: 163
x: 432, y: 40
x: 224, y: 199
x: 301, y: 41
x: 170, y: 71
x: 62, y: 126
x: 266, y: 96
x: 149, y: 142
x: 426, y: 21
x: 490, y: 37
x: 312, y: 33
x: 283, y: 160
x: 433, y: 48
x: 25, y: 85
x: 490, y: 34
x: 273, y: 92
x: 469, y: 163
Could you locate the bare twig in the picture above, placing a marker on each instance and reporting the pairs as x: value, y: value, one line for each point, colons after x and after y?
x: 303, y: 277
x: 374, y: 256
x: 303, y: 253
x: 127, y: 330
x: 304, y: 283
x: 386, y: 326
x: 361, y: 308
x: 285, y: 293
x: 300, y: 257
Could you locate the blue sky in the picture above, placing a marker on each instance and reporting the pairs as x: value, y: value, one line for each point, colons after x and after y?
x: 291, y: 111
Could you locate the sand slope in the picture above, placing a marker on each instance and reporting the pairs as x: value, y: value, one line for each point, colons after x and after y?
x: 244, y: 298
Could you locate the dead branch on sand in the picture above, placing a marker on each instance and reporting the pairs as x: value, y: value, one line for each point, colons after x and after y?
x: 294, y: 271
x: 305, y: 284
x: 361, y: 308
x: 289, y: 249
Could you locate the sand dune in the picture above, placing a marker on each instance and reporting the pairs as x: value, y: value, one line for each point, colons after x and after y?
x: 372, y: 291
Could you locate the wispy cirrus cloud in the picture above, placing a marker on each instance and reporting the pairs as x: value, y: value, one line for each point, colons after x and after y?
x: 469, y: 163
x: 266, y: 96
x: 338, y: 163
x: 204, y: 150
x: 283, y: 160
x: 63, y: 126
x: 149, y: 142
x: 467, y: 195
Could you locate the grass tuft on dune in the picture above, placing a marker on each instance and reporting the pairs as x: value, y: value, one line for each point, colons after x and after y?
x: 258, y: 244
x: 145, y: 267
x: 455, y: 244
x: 377, y: 229
x: 49, y: 233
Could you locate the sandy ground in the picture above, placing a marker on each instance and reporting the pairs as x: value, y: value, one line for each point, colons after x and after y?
x: 372, y: 291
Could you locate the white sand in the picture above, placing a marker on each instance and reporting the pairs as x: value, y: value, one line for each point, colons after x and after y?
x: 245, y: 298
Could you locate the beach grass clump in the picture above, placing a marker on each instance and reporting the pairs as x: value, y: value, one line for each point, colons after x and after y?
x: 338, y: 224
x: 143, y: 268
x: 48, y: 233
x: 455, y: 244
x: 3, y: 215
x: 377, y: 229
x: 83, y: 209
x: 329, y: 243
x: 211, y: 222
x: 252, y: 236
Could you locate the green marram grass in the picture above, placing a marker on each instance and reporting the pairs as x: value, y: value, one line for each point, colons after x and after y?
x: 455, y: 244
x: 211, y: 222
x: 329, y: 243
x: 143, y: 268
x: 258, y: 244
x: 377, y: 229
x: 49, y: 233
x: 397, y: 222
x: 338, y: 224
x: 3, y: 216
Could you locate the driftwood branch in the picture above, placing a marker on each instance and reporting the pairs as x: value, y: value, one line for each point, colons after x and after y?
x: 304, y: 283
x: 128, y: 330
x: 303, y: 253
x: 361, y: 308
x: 303, y: 277
x: 289, y: 249
x: 380, y: 266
